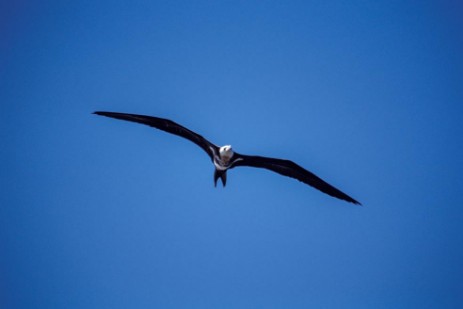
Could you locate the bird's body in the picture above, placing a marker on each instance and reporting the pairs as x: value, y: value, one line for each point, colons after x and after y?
x: 224, y: 158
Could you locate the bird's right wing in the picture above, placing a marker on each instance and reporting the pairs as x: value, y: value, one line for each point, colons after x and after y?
x: 167, y: 126
x: 291, y: 169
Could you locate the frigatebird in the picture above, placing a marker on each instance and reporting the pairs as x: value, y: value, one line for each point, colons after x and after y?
x: 224, y: 158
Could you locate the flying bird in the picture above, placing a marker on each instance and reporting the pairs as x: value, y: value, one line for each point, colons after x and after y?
x: 224, y: 158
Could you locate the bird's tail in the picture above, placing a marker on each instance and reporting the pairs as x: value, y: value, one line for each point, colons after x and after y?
x: 222, y: 175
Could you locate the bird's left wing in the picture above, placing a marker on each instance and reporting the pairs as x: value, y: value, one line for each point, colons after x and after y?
x: 291, y: 169
x: 167, y: 126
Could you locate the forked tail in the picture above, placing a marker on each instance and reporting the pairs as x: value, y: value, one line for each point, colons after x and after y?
x: 222, y: 175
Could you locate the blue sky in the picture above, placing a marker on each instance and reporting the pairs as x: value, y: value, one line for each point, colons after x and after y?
x: 101, y: 213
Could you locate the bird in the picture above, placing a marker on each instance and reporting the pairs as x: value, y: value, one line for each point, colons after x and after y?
x: 225, y: 158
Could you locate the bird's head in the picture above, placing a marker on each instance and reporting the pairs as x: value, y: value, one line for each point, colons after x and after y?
x: 226, y: 152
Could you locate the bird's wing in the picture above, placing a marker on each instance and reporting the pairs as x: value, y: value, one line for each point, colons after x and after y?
x: 168, y: 126
x: 291, y: 169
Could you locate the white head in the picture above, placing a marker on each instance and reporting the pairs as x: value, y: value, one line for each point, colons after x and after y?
x: 226, y: 152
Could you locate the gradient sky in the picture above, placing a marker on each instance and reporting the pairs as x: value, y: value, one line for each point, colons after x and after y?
x: 101, y: 213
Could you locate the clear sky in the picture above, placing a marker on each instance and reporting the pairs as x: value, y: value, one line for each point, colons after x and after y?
x: 101, y: 213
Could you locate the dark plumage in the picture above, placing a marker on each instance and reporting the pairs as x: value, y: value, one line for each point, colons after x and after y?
x: 224, y: 158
